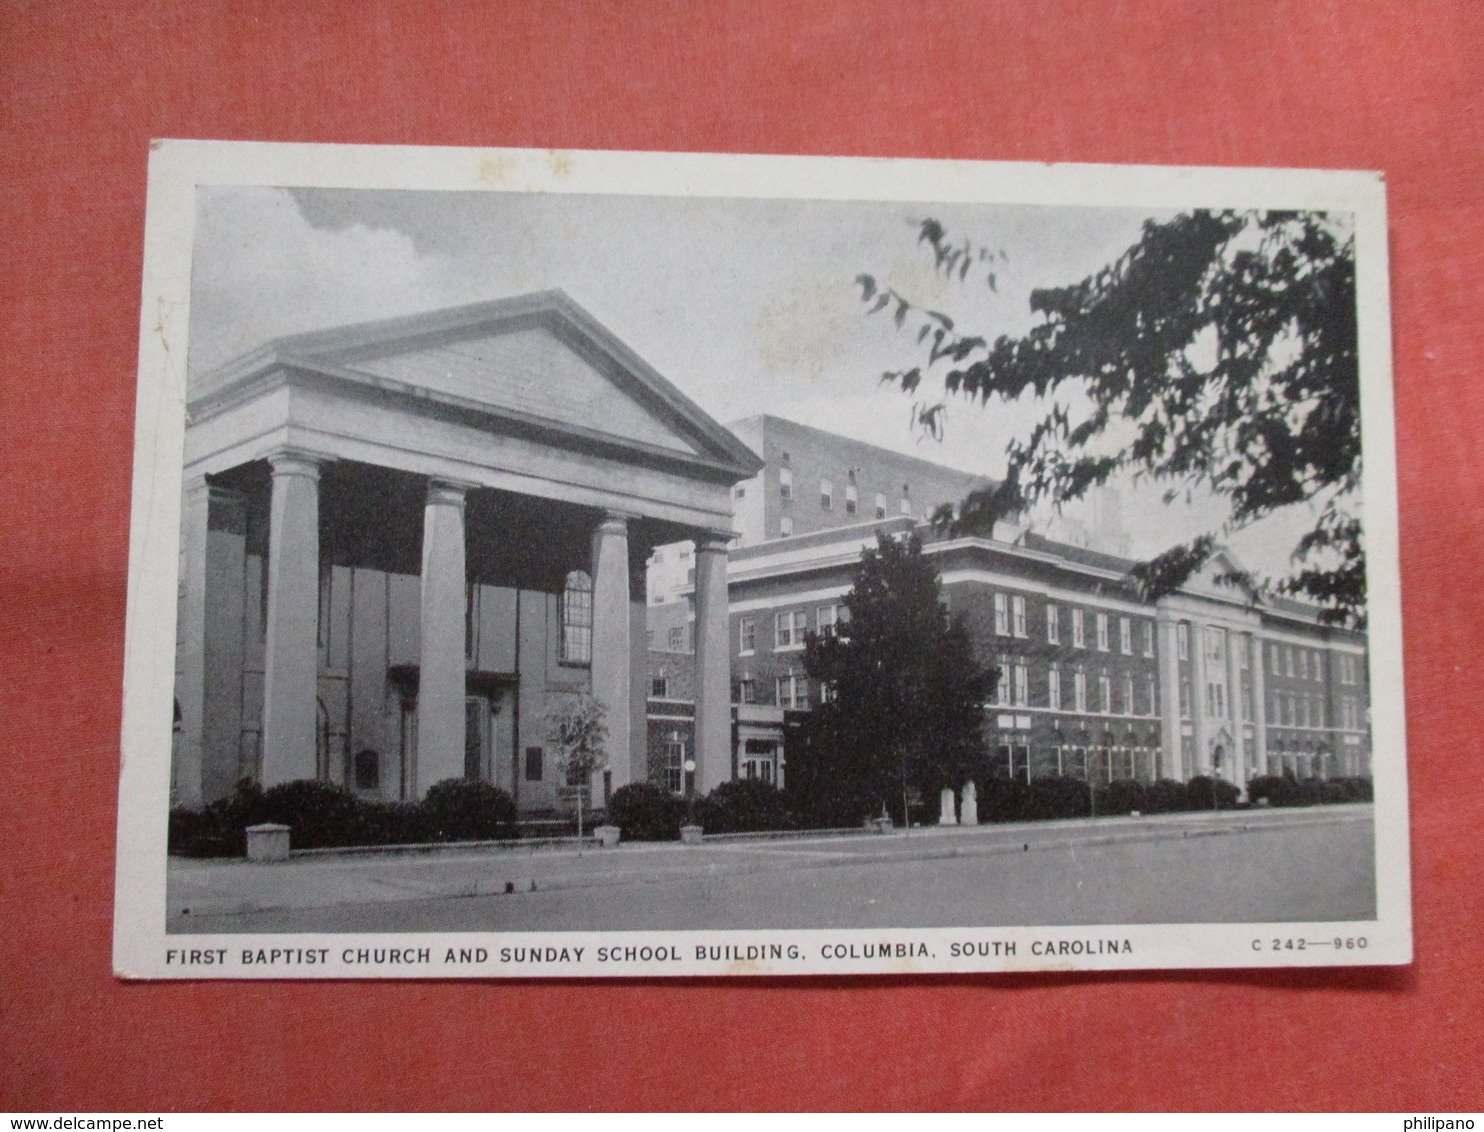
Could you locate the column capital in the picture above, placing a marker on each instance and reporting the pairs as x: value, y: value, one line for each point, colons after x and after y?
x: 296, y: 462
x: 615, y: 523
x: 451, y: 493
x: 714, y: 541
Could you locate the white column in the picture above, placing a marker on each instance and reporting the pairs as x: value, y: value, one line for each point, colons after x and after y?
x: 1169, y: 696
x: 190, y: 646
x: 612, y: 658
x: 1240, y: 771
x: 291, y: 654
x: 441, y: 663
x: 1260, y: 701
x: 713, y: 664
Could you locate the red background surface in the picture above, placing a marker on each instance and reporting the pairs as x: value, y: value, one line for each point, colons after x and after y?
x: 83, y: 86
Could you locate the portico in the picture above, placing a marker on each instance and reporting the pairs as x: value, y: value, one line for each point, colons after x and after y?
x: 402, y: 541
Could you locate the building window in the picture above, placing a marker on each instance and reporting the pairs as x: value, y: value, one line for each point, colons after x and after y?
x: 1102, y: 632
x: 825, y: 618
x: 1002, y: 681
x: 1022, y: 685
x: 368, y: 770
x: 1275, y: 662
x: 740, y: 491
x: 1128, y: 696
x: 1079, y: 690
x: 1079, y: 632
x: 880, y: 505
x: 826, y: 691
x: 1288, y: 656
x: 785, y: 483
x: 826, y: 495
x: 1053, y: 625
x: 786, y: 527
x: 577, y: 619
x: 1105, y: 694
x: 1319, y: 666
x: 1148, y: 638
x: 747, y: 635
x: 789, y: 628
x: 793, y: 691
x: 1182, y: 640
x: 905, y: 507
x: 1017, y: 611
x: 1001, y: 615
x: 1125, y: 636
x: 659, y: 687
x: 850, y: 496
x: 1303, y: 660
x: 676, y: 638
x: 675, y: 763
x: 1153, y: 697
x: 747, y: 690
x: 534, y: 760
x: 1053, y: 688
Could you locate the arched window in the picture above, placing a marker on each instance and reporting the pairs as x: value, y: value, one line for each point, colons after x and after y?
x: 577, y: 619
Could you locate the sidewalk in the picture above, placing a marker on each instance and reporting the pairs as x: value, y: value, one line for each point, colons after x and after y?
x: 237, y: 887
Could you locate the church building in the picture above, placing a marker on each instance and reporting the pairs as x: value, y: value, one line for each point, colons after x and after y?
x: 402, y: 541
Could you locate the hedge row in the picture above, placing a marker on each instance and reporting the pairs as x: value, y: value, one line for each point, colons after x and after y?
x: 646, y: 812
x: 1048, y: 799
x: 1283, y: 791
x: 321, y: 816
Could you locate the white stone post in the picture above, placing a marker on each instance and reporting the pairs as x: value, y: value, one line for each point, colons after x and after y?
x: 612, y: 657
x: 441, y: 663
x: 713, y: 664
x: 291, y: 652
x: 946, y: 814
x: 968, y: 810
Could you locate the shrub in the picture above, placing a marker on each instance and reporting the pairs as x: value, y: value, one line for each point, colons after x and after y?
x: 1165, y: 796
x: 645, y: 812
x: 1004, y: 799
x: 1205, y: 793
x: 744, y: 806
x: 1121, y: 796
x: 317, y: 814
x: 1278, y: 789
x: 459, y: 809
x: 1048, y: 799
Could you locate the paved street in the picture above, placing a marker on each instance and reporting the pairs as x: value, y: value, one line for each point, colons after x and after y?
x: 1257, y: 866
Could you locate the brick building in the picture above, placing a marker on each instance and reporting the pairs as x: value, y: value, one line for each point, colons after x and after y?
x: 1095, y: 682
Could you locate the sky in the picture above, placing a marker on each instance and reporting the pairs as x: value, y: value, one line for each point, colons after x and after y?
x: 747, y: 306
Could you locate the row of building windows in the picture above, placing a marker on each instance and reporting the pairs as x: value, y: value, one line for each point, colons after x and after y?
x: 790, y: 627
x: 1010, y: 621
x: 1107, y: 697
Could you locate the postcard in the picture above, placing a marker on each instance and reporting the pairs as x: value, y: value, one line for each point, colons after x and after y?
x: 553, y: 564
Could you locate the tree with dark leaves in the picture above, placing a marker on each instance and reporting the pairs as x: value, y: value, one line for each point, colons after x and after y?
x: 1217, y: 356
x: 902, y: 714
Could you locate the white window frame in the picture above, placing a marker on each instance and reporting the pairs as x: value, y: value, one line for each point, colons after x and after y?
x: 1148, y: 638
x: 826, y: 617
x: 1079, y: 629
x: 1079, y: 691
x: 1002, y: 615
x: 852, y: 499
x: 1022, y: 684
x: 785, y: 526
x: 1017, y: 616
x: 746, y: 636
x: 1053, y: 624
x: 1053, y: 687
x: 1125, y: 636
x: 785, y: 483
x: 881, y: 505
x: 1105, y: 693
x: 826, y: 495
x: 1102, y: 625
x: 789, y: 628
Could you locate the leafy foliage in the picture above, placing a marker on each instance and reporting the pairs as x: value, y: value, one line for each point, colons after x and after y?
x: 458, y: 809
x: 577, y: 726
x: 646, y: 812
x: 1218, y: 355
x: 746, y: 805
x: 904, y: 714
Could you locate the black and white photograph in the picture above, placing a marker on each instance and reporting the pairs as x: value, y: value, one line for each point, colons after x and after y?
x: 555, y: 564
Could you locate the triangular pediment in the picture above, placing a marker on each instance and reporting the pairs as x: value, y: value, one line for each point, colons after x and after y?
x: 1215, y: 579
x: 539, y: 360
x: 530, y: 372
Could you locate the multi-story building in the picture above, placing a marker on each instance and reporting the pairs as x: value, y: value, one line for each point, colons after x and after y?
x: 1094, y: 681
